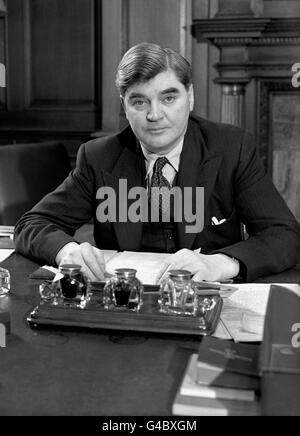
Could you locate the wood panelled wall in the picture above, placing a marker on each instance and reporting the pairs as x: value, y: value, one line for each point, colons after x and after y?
x: 53, y: 58
x: 129, y: 22
x: 62, y: 55
x: 204, y: 58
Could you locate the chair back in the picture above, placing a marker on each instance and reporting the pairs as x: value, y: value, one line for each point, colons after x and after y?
x: 27, y: 173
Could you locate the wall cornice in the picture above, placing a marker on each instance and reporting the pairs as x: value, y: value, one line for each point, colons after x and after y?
x: 267, y: 41
x: 248, y: 31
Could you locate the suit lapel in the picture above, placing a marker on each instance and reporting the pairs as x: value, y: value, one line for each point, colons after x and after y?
x: 197, y: 168
x: 130, y: 166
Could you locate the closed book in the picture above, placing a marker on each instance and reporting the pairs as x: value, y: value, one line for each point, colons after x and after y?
x: 190, y: 386
x: 229, y: 356
x: 213, y: 375
x: 185, y: 405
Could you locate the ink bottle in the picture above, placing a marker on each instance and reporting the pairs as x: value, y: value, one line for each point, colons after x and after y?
x: 177, y: 294
x: 123, y: 291
x: 74, y: 285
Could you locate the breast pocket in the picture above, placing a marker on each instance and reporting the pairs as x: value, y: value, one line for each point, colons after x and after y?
x: 224, y: 234
x: 230, y: 222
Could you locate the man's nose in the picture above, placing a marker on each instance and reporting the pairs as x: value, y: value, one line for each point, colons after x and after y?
x: 155, y: 112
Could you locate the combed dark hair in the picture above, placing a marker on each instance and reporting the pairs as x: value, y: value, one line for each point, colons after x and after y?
x: 144, y: 61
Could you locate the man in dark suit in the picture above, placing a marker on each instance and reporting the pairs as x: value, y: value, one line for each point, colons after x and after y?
x: 165, y: 146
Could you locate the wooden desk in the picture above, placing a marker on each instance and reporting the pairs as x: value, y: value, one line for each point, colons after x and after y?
x: 79, y: 372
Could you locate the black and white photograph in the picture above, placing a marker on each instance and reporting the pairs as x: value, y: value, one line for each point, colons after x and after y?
x: 149, y: 211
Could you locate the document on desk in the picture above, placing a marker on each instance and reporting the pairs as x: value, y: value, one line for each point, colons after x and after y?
x: 150, y: 266
x: 243, y: 313
x: 5, y: 253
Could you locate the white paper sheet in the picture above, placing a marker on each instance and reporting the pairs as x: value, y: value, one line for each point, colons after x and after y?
x: 243, y: 313
x: 5, y: 253
x: 108, y: 254
x: 149, y: 266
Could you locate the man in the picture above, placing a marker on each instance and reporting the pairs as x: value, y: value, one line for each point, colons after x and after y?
x: 166, y: 147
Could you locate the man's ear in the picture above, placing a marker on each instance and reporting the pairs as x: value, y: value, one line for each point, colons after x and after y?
x: 191, y: 97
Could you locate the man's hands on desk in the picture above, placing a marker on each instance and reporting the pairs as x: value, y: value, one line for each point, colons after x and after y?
x: 90, y: 258
x: 209, y: 267
x: 212, y: 267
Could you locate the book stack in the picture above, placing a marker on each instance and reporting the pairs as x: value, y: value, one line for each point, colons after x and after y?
x: 221, y: 379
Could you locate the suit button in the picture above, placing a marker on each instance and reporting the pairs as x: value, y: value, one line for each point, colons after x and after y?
x: 170, y: 235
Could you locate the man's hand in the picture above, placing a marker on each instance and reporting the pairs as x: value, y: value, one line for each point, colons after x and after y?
x: 90, y: 258
x: 209, y: 267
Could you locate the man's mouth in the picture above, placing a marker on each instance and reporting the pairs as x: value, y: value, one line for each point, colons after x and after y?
x: 156, y: 129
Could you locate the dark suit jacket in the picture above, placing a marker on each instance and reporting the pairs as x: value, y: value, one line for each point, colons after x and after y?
x: 221, y: 158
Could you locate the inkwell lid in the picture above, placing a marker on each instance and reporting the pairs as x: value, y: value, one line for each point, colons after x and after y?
x: 69, y: 267
x: 180, y: 274
x: 125, y: 272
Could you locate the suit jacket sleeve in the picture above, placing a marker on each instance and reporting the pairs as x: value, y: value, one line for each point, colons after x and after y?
x: 51, y: 224
x: 274, y: 234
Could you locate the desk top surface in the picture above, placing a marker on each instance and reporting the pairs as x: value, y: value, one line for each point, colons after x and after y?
x: 79, y: 372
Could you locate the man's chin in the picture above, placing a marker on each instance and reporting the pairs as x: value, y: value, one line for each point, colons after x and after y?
x: 158, y: 145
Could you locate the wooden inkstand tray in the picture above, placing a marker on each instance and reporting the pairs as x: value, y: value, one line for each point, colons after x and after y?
x: 148, y: 319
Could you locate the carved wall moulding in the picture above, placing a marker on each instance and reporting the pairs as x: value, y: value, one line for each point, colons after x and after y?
x: 241, y: 82
x: 221, y: 42
x: 235, y: 73
x: 248, y: 31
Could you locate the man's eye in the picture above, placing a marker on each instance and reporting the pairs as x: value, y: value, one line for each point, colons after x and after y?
x: 139, y: 103
x: 169, y: 99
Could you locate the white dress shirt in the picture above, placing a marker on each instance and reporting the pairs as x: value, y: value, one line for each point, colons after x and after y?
x: 170, y: 169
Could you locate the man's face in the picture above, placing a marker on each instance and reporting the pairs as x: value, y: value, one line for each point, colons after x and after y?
x: 158, y: 111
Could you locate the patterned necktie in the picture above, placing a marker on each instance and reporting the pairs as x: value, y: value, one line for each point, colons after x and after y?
x: 160, y: 201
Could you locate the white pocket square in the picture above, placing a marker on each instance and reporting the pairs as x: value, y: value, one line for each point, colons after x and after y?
x: 216, y: 222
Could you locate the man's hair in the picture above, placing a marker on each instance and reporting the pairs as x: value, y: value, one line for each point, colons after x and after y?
x: 144, y: 61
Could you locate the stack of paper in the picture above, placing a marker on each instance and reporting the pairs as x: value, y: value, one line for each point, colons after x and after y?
x: 244, y: 312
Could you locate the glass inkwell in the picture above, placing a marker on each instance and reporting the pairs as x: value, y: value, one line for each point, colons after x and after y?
x: 177, y: 294
x: 123, y: 291
x: 74, y: 286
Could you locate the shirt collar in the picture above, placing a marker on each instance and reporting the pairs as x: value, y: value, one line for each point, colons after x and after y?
x: 173, y: 157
